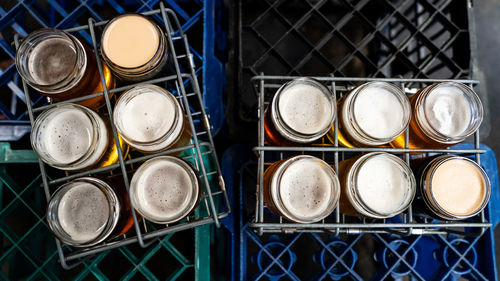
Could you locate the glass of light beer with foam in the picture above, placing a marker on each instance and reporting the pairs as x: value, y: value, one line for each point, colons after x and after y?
x: 165, y: 189
x: 375, y: 185
x: 372, y: 114
x: 134, y: 47
x: 72, y: 137
x: 301, y: 189
x: 444, y: 114
x: 150, y: 119
x: 301, y: 112
x: 454, y: 187
x: 61, y: 67
x: 88, y: 211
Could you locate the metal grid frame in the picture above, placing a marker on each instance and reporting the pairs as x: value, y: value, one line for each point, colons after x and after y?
x: 337, y: 223
x: 199, y: 125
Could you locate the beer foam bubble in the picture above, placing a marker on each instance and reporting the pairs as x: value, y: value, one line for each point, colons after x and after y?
x: 66, y: 135
x: 148, y: 116
x: 305, y: 108
x: 52, y: 60
x: 83, y: 212
x: 164, y: 190
x: 382, y: 185
x: 379, y: 113
x: 306, y: 188
x: 447, y: 110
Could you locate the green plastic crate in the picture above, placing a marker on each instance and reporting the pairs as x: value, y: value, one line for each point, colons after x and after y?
x: 28, y: 250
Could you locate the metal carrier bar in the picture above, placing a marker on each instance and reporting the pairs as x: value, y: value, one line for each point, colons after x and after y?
x: 214, y: 211
x: 338, y: 223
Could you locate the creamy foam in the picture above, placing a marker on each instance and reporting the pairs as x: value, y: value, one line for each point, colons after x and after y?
x: 379, y: 113
x: 83, y: 212
x: 458, y: 187
x: 52, y: 60
x: 383, y: 185
x: 164, y: 191
x: 306, y: 187
x: 148, y: 116
x: 67, y: 136
x: 305, y: 108
x: 447, y: 110
x: 130, y: 41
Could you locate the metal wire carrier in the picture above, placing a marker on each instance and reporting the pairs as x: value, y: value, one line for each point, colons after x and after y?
x: 214, y: 203
x: 406, y: 223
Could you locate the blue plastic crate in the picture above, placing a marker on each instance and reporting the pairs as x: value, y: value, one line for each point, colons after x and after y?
x: 313, y: 256
x: 201, y: 20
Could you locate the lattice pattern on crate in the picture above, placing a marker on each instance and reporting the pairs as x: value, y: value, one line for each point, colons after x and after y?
x: 22, y: 17
x: 380, y: 38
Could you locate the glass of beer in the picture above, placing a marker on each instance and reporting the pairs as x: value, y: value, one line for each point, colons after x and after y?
x: 88, y: 211
x: 134, y: 47
x: 444, y: 114
x: 375, y: 185
x: 165, y: 189
x: 454, y: 187
x: 150, y: 119
x: 372, y: 114
x: 72, y: 137
x: 302, y: 111
x: 61, y: 67
x: 302, y: 189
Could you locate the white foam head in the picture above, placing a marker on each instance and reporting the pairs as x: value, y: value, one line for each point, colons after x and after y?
x: 67, y: 135
x: 448, y: 110
x: 379, y: 112
x: 163, y: 190
x: 308, y: 188
x: 145, y: 113
x: 305, y: 108
x: 383, y: 185
x: 83, y: 212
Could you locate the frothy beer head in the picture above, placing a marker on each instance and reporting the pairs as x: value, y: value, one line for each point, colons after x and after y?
x: 459, y: 187
x: 83, y: 212
x: 379, y: 110
x: 130, y: 40
x: 69, y: 136
x: 164, y: 189
x: 148, y: 117
x: 303, y: 110
x: 306, y: 189
x: 384, y: 184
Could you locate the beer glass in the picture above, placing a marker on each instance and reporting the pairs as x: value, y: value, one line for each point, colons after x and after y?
x: 150, y: 119
x: 302, y: 111
x: 444, y: 114
x: 302, y: 189
x: 372, y: 114
x: 61, y: 67
x: 454, y: 187
x: 375, y: 185
x: 165, y: 189
x: 88, y: 211
x: 72, y: 137
x: 134, y: 47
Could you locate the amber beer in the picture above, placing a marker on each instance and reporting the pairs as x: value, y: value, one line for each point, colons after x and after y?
x: 301, y: 189
x: 88, y: 211
x: 443, y: 114
x: 302, y: 111
x: 453, y: 187
x: 74, y: 138
x: 372, y: 114
x: 61, y: 67
x: 375, y: 185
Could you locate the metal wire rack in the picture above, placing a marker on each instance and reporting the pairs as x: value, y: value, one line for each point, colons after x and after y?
x: 184, y: 85
x: 406, y: 224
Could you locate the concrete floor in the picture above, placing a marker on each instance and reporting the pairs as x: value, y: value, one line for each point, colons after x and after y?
x: 486, y: 69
